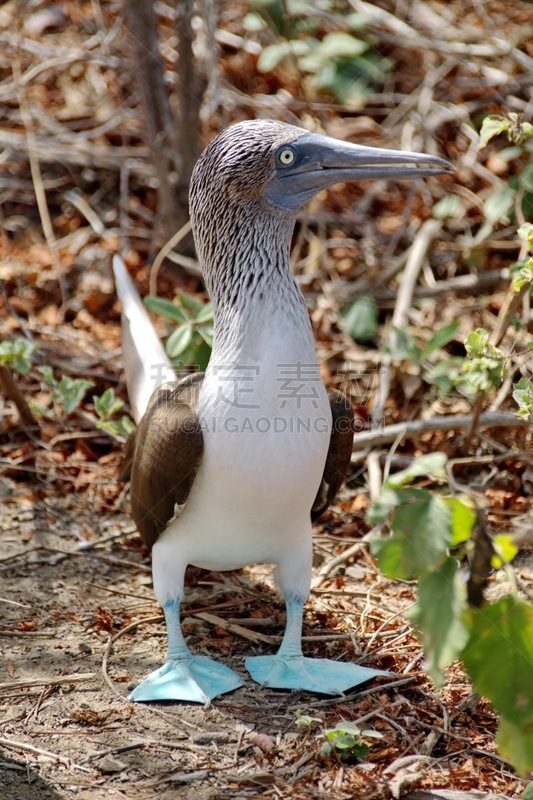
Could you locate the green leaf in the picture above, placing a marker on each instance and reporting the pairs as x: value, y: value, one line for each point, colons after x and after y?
x: 191, y: 303
x: 196, y: 355
x: 70, y: 392
x: 339, y: 45
x: 444, y: 373
x: 421, y: 533
x: 107, y: 404
x: 480, y: 375
x: 202, y: 356
x: 382, y: 506
x: 205, y: 314
x: 525, y: 232
x: 501, y: 635
x: 165, y: 308
x: 179, y: 340
x: 253, y: 23
x: 273, y: 11
x: 360, y: 319
x: 476, y: 342
x: 206, y: 332
x: 525, y: 177
x: 440, y: 339
x: 18, y: 354
x: 524, y: 275
x: 405, y: 347
x: 516, y: 745
x: 449, y: 206
x: 499, y: 203
x: 491, y: 127
x: 527, y: 130
x: 48, y: 375
x: 527, y: 794
x: 305, y: 722
x: 505, y: 549
x: 272, y: 55
x: 326, y: 750
x: 118, y: 428
x: 464, y: 517
x: 438, y: 615
x: 431, y: 464
x: 346, y: 739
x: 348, y: 727
x: 523, y: 397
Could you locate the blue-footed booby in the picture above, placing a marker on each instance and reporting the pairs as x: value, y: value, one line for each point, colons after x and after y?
x: 230, y: 468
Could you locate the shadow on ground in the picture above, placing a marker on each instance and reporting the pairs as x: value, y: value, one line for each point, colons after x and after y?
x: 18, y: 782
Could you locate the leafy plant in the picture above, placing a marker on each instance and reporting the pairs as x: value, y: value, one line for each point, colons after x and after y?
x: 106, y: 406
x: 429, y: 534
x: 518, y: 189
x: 345, y: 741
x: 483, y: 369
x: 68, y: 392
x: 189, y: 344
x: 304, y: 722
x: 522, y: 271
x: 360, y: 319
x: 341, y: 62
x: 406, y: 349
x: 474, y: 375
x: 517, y: 130
x: 18, y: 354
x: 523, y: 395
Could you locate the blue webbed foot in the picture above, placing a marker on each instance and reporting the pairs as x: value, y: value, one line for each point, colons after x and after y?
x: 290, y: 670
x: 310, y: 674
x: 194, y: 679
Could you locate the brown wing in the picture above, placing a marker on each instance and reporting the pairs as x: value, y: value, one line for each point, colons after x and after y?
x: 163, y: 456
x: 339, y: 453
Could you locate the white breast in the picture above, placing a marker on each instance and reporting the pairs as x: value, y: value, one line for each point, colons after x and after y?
x: 267, y: 426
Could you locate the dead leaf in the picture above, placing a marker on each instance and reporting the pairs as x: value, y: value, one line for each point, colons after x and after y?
x: 407, y: 771
x: 265, y: 742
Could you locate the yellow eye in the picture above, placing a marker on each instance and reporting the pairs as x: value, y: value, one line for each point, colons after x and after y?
x: 286, y: 156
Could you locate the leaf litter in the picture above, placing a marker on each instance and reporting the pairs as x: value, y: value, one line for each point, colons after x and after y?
x: 80, y: 625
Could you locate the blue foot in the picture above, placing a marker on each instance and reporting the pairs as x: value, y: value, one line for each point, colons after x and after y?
x: 310, y: 674
x: 195, y: 679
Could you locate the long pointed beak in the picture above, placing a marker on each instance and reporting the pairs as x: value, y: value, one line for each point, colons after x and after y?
x: 320, y: 162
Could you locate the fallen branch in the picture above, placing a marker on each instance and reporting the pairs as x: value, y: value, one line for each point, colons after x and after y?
x: 408, y: 430
x: 62, y: 679
x: 83, y: 153
x: 29, y: 748
x: 239, y: 630
x: 417, y: 254
x: 330, y: 565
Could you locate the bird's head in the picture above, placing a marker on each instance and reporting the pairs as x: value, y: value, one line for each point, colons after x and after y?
x: 285, y: 165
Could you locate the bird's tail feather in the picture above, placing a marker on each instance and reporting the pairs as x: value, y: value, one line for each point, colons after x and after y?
x: 146, y: 364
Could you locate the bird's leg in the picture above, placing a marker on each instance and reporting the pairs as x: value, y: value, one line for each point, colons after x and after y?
x: 290, y: 670
x: 291, y: 644
x: 196, y: 679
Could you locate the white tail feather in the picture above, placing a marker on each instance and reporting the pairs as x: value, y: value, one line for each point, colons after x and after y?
x: 146, y: 364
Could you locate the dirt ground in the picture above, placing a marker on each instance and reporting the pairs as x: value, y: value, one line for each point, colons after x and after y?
x: 80, y: 628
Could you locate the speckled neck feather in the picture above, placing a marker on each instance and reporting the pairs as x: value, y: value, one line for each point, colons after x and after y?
x: 242, y: 239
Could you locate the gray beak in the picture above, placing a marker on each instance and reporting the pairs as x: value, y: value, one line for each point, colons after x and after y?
x: 320, y: 162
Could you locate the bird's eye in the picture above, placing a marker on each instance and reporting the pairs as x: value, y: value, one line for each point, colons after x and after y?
x: 286, y: 156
